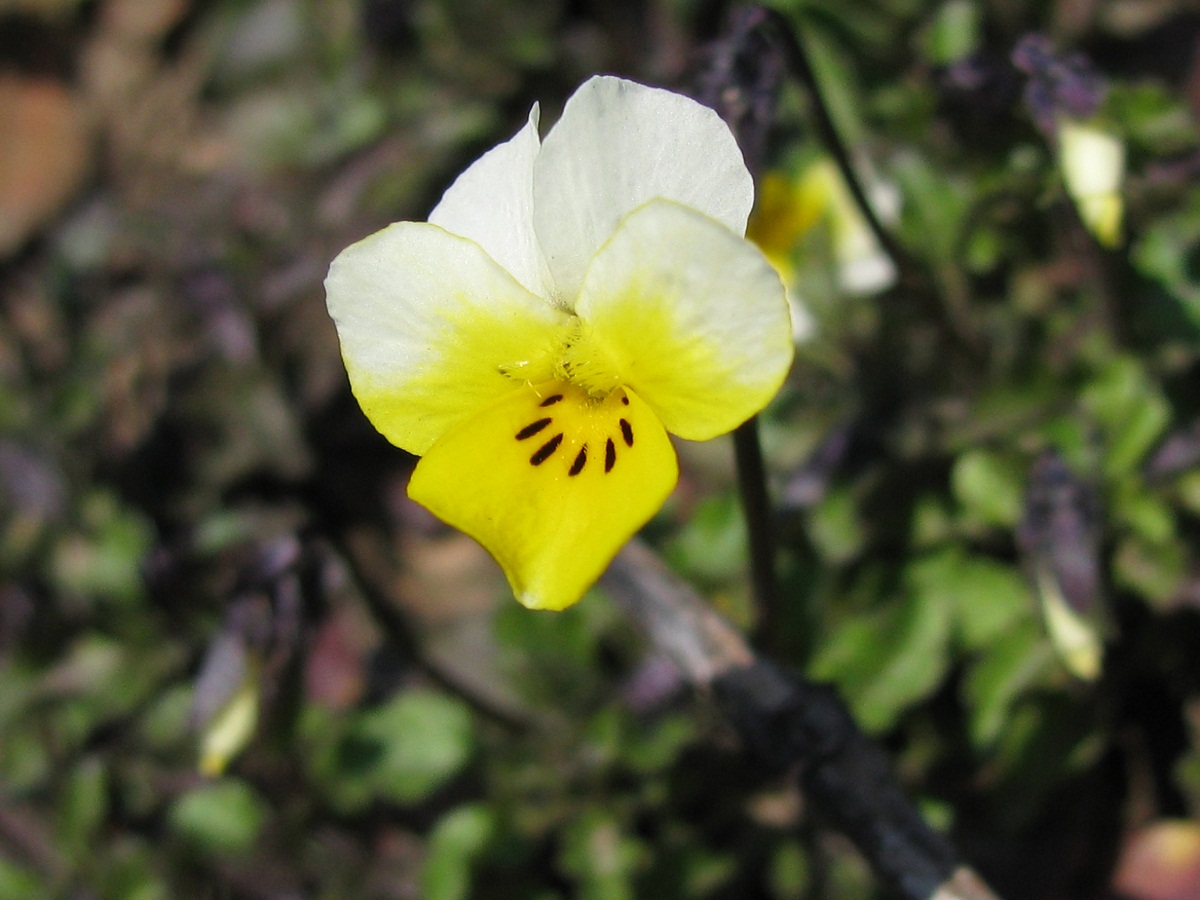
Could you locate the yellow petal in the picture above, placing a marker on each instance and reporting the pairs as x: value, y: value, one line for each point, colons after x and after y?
x: 552, y: 482
x: 432, y: 329
x: 689, y: 315
x: 783, y: 214
x: 1102, y: 215
x: 231, y: 729
x: 1077, y: 641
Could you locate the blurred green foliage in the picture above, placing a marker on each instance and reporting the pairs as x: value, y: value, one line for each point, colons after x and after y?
x: 180, y: 460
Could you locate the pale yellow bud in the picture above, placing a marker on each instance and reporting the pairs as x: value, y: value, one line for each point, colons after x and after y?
x: 1093, y: 166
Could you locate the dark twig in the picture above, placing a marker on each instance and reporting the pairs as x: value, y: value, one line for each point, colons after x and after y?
x: 789, y: 724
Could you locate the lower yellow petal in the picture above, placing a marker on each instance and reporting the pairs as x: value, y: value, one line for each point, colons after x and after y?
x: 552, y: 482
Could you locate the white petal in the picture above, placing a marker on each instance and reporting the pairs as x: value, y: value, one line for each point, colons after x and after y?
x: 1092, y: 159
x: 432, y: 330
x: 690, y: 316
x: 1093, y: 165
x: 618, y: 145
x: 492, y: 204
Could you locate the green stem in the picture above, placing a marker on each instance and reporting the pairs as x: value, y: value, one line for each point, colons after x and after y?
x: 779, y: 29
x: 756, y: 508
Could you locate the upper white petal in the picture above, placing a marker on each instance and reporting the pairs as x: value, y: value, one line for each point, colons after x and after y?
x: 618, y: 145
x: 491, y: 203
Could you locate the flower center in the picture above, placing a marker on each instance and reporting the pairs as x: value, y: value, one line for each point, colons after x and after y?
x: 585, y: 362
x: 572, y: 428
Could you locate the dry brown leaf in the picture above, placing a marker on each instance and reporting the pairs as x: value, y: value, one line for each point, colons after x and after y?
x: 43, y: 155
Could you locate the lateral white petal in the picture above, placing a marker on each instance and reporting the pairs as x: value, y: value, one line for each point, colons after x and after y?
x: 492, y: 204
x: 691, y: 316
x: 432, y: 329
x: 618, y: 145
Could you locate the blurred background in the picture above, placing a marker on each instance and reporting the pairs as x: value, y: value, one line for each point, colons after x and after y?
x: 236, y: 662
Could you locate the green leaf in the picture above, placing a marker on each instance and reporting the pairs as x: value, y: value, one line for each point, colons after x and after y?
x: 130, y: 871
x: 552, y: 659
x: 1148, y: 516
x: 1152, y: 569
x: 989, y: 487
x: 836, y: 528
x: 935, y: 206
x: 23, y: 761
x: 223, y: 818
x: 1130, y: 408
x: 833, y: 69
x: 84, y: 804
x: 1166, y: 253
x: 789, y: 872
x: 407, y: 748
x: 17, y: 883
x: 1151, y: 116
x: 458, y: 839
x: 1014, y: 662
x: 654, y: 746
x: 712, y: 545
x: 105, y: 558
x: 888, y: 661
x: 986, y: 597
x: 953, y: 34
x: 601, y: 857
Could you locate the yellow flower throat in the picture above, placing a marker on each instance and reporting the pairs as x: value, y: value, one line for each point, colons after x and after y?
x: 572, y: 355
x: 576, y: 409
x: 570, y: 429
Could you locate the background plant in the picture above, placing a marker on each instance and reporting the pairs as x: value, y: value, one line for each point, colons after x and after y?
x: 195, y: 510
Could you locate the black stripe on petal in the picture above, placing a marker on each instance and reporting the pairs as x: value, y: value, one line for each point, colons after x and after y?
x: 546, y: 450
x: 580, y: 461
x: 627, y: 432
x: 531, y: 429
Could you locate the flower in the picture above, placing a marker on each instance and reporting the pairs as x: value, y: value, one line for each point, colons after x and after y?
x: 1092, y: 159
x: 1064, y: 95
x: 1059, y: 538
x: 569, y: 302
x: 791, y: 206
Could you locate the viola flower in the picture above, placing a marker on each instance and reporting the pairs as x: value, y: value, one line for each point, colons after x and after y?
x: 569, y: 303
x: 791, y: 206
x: 1092, y: 159
x: 1064, y: 95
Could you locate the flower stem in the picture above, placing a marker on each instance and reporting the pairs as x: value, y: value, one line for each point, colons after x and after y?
x: 744, y: 73
x: 779, y: 30
x: 756, y: 507
x: 741, y: 81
